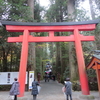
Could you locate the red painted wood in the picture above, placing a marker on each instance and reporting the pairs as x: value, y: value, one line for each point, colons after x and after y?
x: 15, y: 39
x: 91, y: 64
x: 51, y: 39
x: 23, y: 62
x: 98, y: 76
x: 81, y: 64
x: 94, y: 67
x: 50, y: 28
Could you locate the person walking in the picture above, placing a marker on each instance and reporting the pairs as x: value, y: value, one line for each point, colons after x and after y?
x: 68, y: 89
x: 39, y: 77
x: 34, y: 89
x: 15, y: 89
x: 46, y: 77
x: 53, y: 77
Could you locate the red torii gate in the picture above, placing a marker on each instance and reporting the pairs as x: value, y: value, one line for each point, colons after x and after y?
x: 74, y: 27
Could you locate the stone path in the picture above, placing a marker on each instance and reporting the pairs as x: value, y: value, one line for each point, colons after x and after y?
x: 52, y: 91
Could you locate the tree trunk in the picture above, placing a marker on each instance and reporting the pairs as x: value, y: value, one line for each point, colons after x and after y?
x: 91, y: 9
x: 58, y: 62
x: 31, y: 5
x: 93, y: 17
x: 31, y: 60
x: 5, y: 68
x: 71, y: 16
x: 11, y: 60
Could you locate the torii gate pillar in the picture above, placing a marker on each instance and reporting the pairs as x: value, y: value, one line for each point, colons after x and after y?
x: 76, y: 37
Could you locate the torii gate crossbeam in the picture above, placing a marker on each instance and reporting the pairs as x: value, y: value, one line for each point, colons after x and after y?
x: 76, y: 37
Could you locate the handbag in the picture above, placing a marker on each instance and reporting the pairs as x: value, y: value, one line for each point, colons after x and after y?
x: 39, y: 88
x: 64, y: 89
x: 10, y: 97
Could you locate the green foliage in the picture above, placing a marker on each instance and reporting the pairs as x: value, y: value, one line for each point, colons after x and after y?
x: 57, y: 11
x: 91, y: 74
x: 4, y: 7
x: 97, y: 36
x: 9, y: 52
x: 41, y: 56
x: 18, y: 10
x: 93, y: 86
x: 5, y: 87
x: 37, y: 12
x: 66, y: 73
x: 92, y: 77
x: 76, y: 86
x: 14, y: 10
x: 81, y: 15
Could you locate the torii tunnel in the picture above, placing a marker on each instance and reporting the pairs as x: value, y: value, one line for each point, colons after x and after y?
x: 76, y: 37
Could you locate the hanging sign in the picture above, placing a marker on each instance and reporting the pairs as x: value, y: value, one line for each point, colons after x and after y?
x: 31, y: 78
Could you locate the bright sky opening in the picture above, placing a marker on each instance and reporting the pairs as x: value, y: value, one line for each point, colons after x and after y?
x: 44, y: 3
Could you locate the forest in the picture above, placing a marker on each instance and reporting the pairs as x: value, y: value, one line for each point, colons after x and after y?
x: 61, y: 55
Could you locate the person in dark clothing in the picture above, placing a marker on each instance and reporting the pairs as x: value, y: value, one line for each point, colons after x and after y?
x: 46, y: 77
x: 53, y: 77
x: 38, y: 77
x: 34, y: 89
x: 15, y: 89
x: 68, y: 89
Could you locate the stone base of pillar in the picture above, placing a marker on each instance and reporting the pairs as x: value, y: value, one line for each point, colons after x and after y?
x: 86, y: 97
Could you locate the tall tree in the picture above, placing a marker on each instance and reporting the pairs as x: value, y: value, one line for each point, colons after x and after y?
x: 71, y: 17
x: 94, y: 9
x: 32, y: 59
x: 35, y: 15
